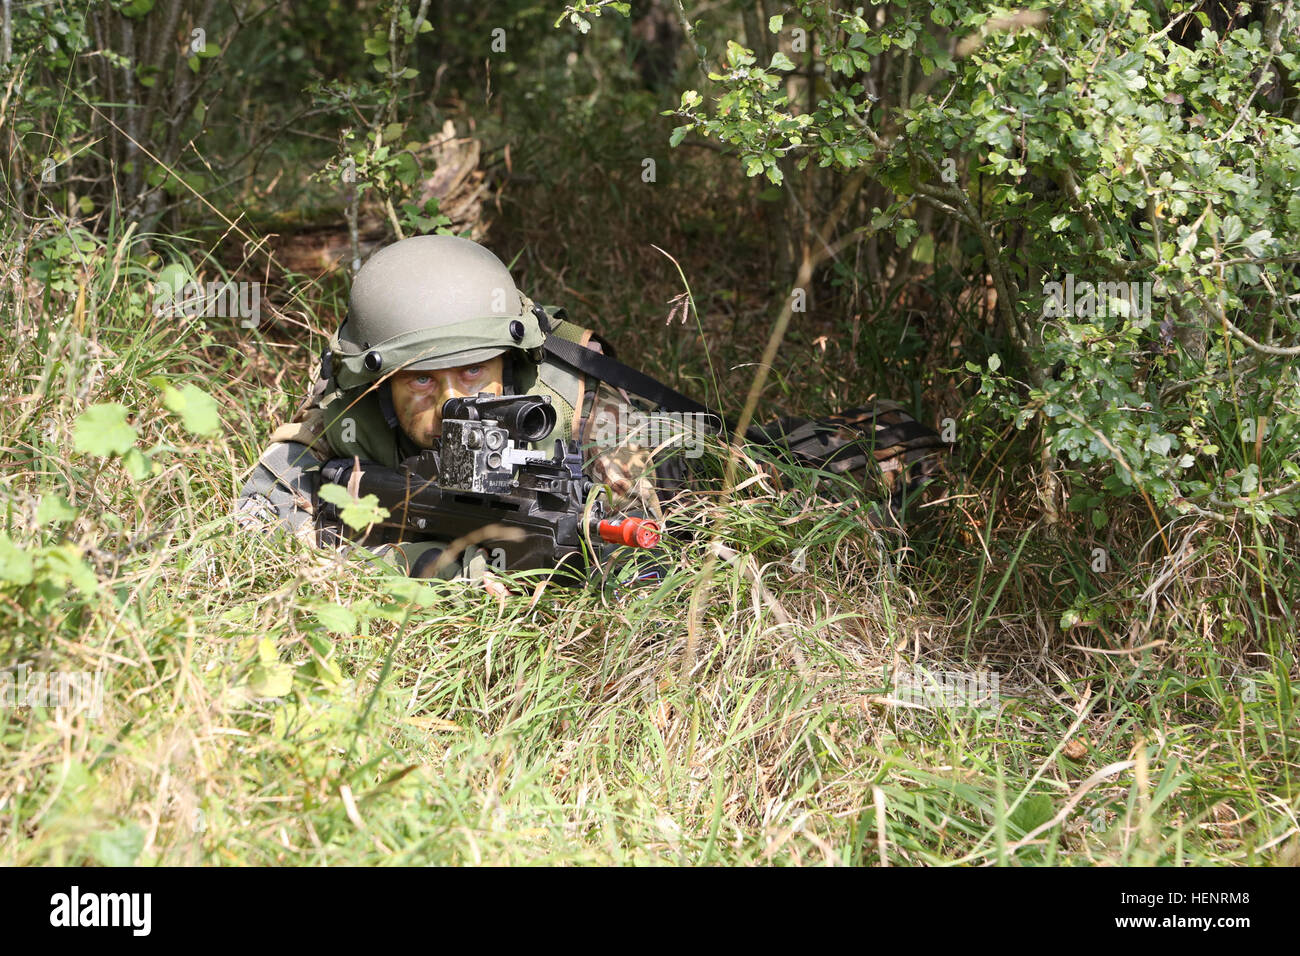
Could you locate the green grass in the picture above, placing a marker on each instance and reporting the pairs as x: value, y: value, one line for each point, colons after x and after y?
x: 265, y: 703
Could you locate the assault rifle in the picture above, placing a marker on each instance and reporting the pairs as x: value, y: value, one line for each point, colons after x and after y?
x: 483, y: 474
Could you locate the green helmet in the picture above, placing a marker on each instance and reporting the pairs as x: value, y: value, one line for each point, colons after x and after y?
x: 430, y: 302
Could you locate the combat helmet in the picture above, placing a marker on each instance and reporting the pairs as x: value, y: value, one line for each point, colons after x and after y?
x: 431, y: 302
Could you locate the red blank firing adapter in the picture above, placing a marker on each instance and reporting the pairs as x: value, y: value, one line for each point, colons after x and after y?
x: 633, y: 532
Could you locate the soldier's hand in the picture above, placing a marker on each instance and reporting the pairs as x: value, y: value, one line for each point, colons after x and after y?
x: 494, y: 586
x: 608, y: 472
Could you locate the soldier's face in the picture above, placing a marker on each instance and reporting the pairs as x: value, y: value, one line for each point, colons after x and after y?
x: 418, y: 397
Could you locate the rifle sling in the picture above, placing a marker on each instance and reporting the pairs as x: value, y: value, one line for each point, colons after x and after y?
x: 624, y: 376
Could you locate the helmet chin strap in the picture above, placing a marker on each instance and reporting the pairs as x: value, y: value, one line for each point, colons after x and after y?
x: 386, y: 403
x: 508, y: 373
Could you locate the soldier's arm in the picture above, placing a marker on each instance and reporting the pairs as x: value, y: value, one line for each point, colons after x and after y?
x: 618, y: 461
x: 281, y: 494
x: 281, y: 490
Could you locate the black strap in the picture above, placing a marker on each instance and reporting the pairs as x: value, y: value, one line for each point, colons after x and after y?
x: 508, y: 374
x: 901, y: 434
x: 884, y: 436
x: 624, y: 376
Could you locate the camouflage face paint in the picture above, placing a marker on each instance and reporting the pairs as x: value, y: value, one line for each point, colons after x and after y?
x: 418, y: 396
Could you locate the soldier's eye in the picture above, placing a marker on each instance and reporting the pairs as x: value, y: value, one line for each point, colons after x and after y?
x: 474, y: 371
x: 424, y: 380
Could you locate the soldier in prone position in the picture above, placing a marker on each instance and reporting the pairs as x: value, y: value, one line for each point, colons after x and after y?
x: 436, y: 318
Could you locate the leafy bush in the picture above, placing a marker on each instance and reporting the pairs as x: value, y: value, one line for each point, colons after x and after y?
x: 1124, y: 174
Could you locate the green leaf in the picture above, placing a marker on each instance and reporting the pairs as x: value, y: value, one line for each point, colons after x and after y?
x: 137, y: 8
x: 271, y: 680
x: 1032, y: 813
x: 103, y: 431
x: 15, y: 563
x: 139, y: 465
x: 780, y: 62
x: 267, y: 652
x: 62, y: 566
x: 376, y: 46
x: 356, y: 514
x: 775, y: 23
x: 406, y: 169
x: 336, y: 618
x: 53, y: 509
x: 923, y: 251
x: 995, y: 362
x: 118, y: 847
x: 1160, y: 444
x: 1257, y: 242
x: 197, y: 409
